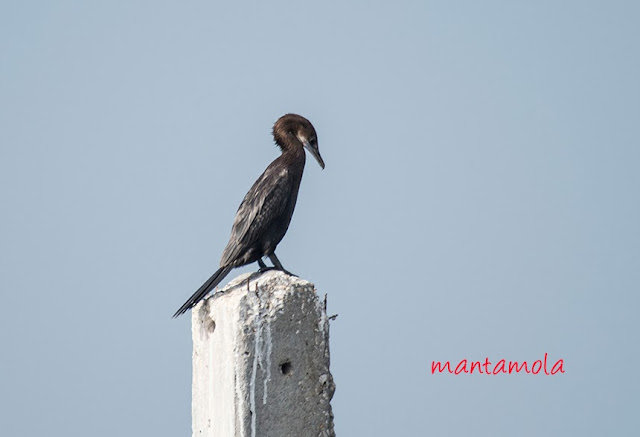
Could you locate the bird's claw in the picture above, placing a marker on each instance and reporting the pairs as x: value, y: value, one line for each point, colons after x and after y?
x: 288, y: 272
x: 266, y: 269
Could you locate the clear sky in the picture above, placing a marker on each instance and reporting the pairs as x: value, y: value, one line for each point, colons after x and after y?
x: 480, y: 200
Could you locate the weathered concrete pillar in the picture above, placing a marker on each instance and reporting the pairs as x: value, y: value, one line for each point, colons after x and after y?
x: 261, y: 360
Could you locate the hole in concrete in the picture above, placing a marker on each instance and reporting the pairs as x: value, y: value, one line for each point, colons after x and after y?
x: 286, y: 368
x: 210, y: 326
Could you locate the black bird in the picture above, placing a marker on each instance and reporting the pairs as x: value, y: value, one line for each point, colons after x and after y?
x: 265, y: 212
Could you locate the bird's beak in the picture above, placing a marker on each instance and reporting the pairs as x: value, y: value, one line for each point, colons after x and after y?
x: 314, y: 152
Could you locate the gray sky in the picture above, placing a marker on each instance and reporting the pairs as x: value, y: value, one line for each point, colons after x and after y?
x: 480, y: 200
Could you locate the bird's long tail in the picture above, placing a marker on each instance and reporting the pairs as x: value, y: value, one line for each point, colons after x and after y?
x: 205, y: 288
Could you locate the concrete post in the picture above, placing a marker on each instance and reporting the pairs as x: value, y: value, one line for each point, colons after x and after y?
x: 261, y: 360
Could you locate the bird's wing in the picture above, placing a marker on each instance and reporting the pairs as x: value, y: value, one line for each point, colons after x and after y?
x: 265, y: 202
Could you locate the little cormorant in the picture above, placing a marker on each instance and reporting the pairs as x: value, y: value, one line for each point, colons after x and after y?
x: 265, y: 212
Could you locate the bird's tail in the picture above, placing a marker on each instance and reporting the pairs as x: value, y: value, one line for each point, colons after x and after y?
x: 205, y: 288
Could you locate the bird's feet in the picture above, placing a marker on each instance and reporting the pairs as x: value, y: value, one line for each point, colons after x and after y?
x: 263, y: 268
x: 266, y: 269
x: 287, y: 272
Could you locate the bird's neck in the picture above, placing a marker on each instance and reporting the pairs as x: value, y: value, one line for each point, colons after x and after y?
x: 294, y: 158
x: 293, y: 152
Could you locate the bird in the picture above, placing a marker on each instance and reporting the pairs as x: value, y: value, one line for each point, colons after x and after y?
x: 265, y: 213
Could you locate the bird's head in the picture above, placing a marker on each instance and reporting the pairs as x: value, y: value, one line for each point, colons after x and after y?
x: 293, y: 128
